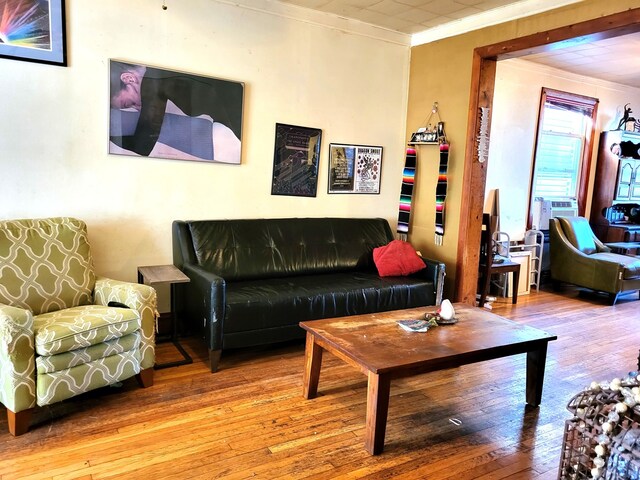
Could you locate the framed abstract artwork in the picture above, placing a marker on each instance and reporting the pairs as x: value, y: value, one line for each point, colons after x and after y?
x: 160, y: 113
x: 33, y: 30
x: 354, y: 168
x: 295, y: 161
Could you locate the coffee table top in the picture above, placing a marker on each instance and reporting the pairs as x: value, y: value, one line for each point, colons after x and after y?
x: 378, y: 344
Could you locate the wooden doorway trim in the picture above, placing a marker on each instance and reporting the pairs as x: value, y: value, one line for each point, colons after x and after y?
x: 481, y: 100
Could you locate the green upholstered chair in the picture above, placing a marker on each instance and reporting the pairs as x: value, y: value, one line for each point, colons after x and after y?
x: 58, y: 335
x: 579, y: 258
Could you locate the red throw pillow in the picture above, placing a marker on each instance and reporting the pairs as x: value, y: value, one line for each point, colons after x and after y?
x: 397, y: 258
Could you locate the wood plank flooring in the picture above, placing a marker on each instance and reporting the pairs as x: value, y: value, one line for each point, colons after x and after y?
x: 250, y: 421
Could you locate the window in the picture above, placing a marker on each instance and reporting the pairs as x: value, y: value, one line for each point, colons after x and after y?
x: 563, y: 147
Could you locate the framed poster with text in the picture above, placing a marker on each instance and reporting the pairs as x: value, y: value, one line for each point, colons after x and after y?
x: 354, y: 168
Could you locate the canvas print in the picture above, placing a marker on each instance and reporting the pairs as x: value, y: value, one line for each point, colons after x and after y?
x: 163, y: 113
x: 295, y: 160
x: 354, y: 168
x: 33, y: 30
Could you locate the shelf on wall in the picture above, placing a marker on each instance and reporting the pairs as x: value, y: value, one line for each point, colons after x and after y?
x: 424, y: 143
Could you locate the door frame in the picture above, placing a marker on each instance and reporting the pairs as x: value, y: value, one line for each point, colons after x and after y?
x: 483, y: 75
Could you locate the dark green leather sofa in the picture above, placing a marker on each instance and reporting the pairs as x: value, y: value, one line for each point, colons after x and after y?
x: 253, y: 281
x: 579, y: 258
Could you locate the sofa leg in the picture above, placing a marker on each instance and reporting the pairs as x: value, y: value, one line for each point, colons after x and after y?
x: 19, y: 421
x: 145, y: 377
x: 613, y: 298
x: 214, y: 359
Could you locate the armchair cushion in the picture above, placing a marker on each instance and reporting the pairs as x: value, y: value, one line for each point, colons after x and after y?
x: 81, y: 327
x: 579, y: 233
x: 80, y: 356
x: 45, y: 264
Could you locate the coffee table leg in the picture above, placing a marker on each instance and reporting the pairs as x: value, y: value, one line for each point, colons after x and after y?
x: 312, y: 364
x: 536, y: 360
x: 377, y: 408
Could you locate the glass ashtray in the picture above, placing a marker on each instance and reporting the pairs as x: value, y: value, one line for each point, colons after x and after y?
x: 439, y: 320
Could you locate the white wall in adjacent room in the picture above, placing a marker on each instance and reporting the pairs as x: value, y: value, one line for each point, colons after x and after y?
x: 513, y: 128
x: 345, y: 78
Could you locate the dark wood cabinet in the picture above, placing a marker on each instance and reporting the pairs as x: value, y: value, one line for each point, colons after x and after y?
x: 623, y: 233
x: 617, y: 180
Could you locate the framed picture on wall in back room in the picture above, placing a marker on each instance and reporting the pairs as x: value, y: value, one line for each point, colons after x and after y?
x: 33, y: 30
x: 354, y: 168
x: 295, y: 161
x: 163, y: 113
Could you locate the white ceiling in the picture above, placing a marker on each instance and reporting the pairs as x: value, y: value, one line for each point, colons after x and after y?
x: 415, y: 16
x: 615, y: 59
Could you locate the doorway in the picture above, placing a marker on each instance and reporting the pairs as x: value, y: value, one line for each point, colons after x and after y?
x: 480, y: 106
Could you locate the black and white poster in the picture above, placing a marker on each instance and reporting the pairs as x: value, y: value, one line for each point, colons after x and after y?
x: 354, y: 168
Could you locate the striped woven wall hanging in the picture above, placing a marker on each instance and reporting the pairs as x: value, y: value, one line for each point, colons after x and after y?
x: 441, y: 192
x: 406, y: 193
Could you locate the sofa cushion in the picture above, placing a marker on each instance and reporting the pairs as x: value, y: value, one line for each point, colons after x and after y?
x: 397, y: 258
x: 285, y: 247
x: 256, y: 305
x: 81, y: 327
x: 630, y: 263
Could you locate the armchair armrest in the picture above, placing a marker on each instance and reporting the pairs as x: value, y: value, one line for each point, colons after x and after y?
x: 206, y: 295
x: 435, y: 271
x: 137, y: 297
x: 17, y: 359
x: 600, y: 247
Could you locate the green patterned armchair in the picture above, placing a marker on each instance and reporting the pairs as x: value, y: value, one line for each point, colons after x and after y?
x: 59, y: 337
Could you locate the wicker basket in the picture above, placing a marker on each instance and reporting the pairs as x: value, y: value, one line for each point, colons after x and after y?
x: 578, y: 452
x: 592, y: 408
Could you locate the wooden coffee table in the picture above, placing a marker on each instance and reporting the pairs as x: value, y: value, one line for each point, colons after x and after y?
x: 380, y: 349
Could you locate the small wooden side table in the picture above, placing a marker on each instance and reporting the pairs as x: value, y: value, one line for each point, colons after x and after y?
x: 157, y: 274
x: 623, y: 247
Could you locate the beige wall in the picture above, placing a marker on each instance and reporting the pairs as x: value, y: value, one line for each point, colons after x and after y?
x: 441, y: 71
x: 308, y: 71
x: 513, y: 128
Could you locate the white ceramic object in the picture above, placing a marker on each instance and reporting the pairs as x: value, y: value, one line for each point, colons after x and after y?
x: 446, y: 310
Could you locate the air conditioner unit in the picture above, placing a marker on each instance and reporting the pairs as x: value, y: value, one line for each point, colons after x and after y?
x: 543, y: 210
x: 541, y: 214
x: 564, y: 208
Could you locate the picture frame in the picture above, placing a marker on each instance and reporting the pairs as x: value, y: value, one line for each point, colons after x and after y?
x: 33, y: 31
x: 354, y: 168
x: 296, y: 157
x: 160, y: 113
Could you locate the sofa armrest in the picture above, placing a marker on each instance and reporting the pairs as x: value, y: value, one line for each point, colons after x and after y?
x: 206, y: 295
x: 17, y: 359
x: 137, y: 297
x: 434, y: 271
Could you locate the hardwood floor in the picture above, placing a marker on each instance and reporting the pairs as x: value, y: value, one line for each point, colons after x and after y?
x: 250, y: 421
